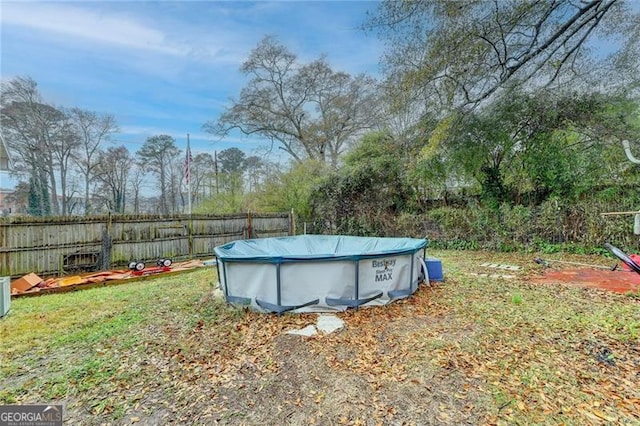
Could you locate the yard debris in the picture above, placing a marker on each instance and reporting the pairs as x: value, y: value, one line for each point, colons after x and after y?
x: 25, y: 283
x: 32, y: 283
x: 635, y: 258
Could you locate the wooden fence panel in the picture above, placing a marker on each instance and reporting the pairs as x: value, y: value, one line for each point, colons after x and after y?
x: 55, y: 246
x: 269, y: 226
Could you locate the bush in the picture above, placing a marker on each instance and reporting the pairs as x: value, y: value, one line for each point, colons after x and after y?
x: 552, y: 227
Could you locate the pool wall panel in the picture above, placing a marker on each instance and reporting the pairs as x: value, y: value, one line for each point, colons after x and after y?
x: 307, y: 281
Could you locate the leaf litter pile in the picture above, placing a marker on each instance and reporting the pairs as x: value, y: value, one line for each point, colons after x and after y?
x: 477, y: 349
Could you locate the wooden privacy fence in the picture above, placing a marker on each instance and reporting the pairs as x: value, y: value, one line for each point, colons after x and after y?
x: 60, y: 245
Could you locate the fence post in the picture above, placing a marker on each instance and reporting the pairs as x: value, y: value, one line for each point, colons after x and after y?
x: 107, y: 244
x: 5, y: 263
x: 292, y: 223
x: 249, y: 226
x: 105, y: 250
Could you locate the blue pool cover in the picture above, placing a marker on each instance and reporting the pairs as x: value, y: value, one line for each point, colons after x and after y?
x: 315, y: 247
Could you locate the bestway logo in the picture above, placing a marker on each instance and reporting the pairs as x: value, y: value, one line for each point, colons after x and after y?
x: 384, y: 263
x: 384, y: 269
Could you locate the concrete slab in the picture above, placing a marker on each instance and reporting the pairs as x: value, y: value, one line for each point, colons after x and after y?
x: 308, y: 331
x: 503, y: 276
x: 218, y: 294
x: 500, y: 266
x: 329, y: 323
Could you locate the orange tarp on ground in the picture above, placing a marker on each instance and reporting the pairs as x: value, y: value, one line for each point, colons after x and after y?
x: 32, y: 283
x: 76, y: 279
x: 617, y: 281
x: 97, y: 277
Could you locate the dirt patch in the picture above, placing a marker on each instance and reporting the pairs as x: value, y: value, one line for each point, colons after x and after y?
x: 363, y: 374
x: 616, y: 281
x: 300, y: 390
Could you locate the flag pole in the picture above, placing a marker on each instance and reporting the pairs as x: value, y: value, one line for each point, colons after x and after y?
x: 188, y: 160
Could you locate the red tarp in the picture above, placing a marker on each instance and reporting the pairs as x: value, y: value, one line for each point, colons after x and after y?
x: 618, y: 281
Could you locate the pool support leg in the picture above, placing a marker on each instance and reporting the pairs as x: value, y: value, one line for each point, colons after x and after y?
x: 356, y: 302
x: 231, y: 299
x: 397, y: 294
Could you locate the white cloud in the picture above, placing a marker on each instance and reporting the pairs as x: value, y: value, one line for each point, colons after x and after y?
x: 147, y: 131
x: 116, y: 25
x: 89, y: 25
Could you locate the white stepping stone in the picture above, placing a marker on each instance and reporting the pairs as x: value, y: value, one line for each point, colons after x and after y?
x: 499, y: 266
x: 329, y: 323
x: 308, y: 331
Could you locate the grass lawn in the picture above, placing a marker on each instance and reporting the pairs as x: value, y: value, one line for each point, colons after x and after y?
x: 476, y: 349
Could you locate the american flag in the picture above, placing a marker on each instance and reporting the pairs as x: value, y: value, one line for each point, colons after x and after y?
x: 187, y: 163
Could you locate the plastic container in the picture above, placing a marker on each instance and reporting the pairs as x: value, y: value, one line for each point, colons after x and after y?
x: 434, y: 269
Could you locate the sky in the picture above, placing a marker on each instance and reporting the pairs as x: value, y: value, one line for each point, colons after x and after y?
x: 167, y: 67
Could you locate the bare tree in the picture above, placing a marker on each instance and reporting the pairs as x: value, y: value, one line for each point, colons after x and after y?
x: 460, y: 53
x: 38, y: 135
x: 93, y: 130
x: 255, y: 170
x: 136, y: 179
x: 156, y: 156
x: 112, y: 171
x: 64, y: 147
x: 310, y: 110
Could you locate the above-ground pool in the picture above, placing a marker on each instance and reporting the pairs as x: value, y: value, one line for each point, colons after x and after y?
x: 319, y: 273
